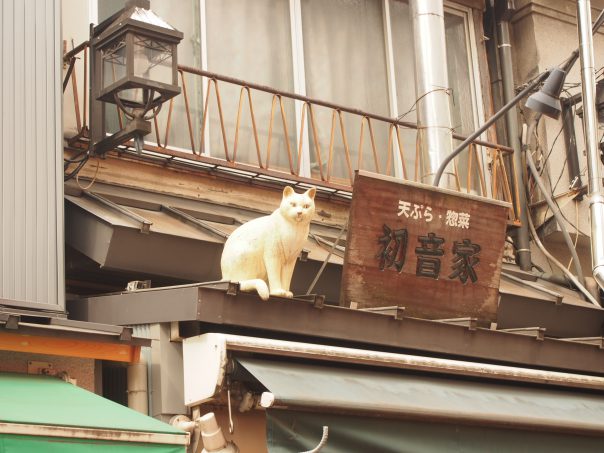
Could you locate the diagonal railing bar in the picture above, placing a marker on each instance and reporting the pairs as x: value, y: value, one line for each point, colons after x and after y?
x: 480, y: 165
x: 469, y: 173
x: 220, y: 115
x: 373, y: 149
x: 255, y: 130
x: 286, y: 137
x: 156, y: 128
x: 168, y: 122
x: 316, y: 139
x: 187, y: 110
x: 494, y: 166
x: 456, y: 173
x: 74, y: 86
x: 301, y: 140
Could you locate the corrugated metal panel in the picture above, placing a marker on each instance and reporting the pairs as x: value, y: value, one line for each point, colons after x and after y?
x: 31, y: 184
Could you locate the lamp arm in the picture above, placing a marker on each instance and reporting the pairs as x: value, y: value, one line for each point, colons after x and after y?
x: 441, y: 169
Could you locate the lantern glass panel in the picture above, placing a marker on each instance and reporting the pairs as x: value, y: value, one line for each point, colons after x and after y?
x: 114, y: 63
x: 138, y: 97
x: 153, y: 60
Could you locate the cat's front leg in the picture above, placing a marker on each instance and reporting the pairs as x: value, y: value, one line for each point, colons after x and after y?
x: 286, y: 276
x: 273, y: 271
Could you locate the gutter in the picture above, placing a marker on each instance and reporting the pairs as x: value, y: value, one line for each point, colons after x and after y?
x: 511, y: 119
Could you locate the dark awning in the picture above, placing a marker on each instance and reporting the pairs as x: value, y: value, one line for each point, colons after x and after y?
x: 289, y: 431
x: 405, y: 400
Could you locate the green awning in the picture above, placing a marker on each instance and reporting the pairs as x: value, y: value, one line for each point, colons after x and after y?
x: 34, y: 409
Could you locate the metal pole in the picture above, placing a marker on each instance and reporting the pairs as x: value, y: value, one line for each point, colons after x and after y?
x: 522, y: 235
x: 488, y: 124
x: 434, y: 133
x: 588, y: 88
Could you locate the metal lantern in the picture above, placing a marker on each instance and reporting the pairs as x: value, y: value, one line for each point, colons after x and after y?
x: 134, y: 65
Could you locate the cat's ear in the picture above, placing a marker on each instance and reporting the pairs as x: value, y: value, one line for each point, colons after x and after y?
x: 311, y: 192
x: 288, y: 191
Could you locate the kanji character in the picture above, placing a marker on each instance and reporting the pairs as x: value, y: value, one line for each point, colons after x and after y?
x: 452, y: 218
x: 394, y: 248
x: 464, y: 220
x: 464, y: 261
x: 427, y: 263
x: 403, y: 207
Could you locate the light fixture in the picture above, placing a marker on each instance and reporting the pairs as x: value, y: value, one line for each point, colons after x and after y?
x: 546, y: 100
x: 134, y: 66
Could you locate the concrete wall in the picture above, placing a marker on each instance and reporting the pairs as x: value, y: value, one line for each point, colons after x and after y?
x: 31, y: 174
x: 544, y: 35
x: 75, y: 16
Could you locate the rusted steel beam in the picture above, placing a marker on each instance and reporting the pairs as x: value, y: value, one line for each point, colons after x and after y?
x: 287, y: 318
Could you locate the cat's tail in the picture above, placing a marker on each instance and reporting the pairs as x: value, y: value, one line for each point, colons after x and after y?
x: 256, y: 285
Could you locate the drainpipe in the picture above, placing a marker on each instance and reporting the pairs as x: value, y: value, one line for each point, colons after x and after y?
x: 511, y: 119
x: 588, y: 87
x: 137, y: 387
x: 435, y: 136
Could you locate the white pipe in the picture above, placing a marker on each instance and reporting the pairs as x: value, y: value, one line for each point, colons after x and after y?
x: 432, y: 90
x: 588, y: 88
x: 213, y: 439
x: 137, y: 387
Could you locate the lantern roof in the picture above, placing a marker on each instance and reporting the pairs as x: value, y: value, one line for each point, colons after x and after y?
x: 136, y: 13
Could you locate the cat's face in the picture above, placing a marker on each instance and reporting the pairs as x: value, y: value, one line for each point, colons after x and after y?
x: 298, y: 207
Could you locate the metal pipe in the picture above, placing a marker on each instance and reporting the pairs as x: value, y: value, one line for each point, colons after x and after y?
x: 588, y: 88
x: 137, y: 387
x: 523, y: 250
x: 431, y: 87
x: 570, y: 142
x: 540, y: 78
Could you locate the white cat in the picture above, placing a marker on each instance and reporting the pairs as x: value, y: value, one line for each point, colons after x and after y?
x: 267, y: 247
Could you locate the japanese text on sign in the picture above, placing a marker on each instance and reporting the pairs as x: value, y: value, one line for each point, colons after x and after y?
x: 416, y: 211
x: 393, y: 251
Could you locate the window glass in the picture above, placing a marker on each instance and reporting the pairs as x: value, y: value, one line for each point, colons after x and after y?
x: 251, y: 40
x: 184, y: 16
x: 458, y: 71
x: 460, y: 81
x: 345, y: 63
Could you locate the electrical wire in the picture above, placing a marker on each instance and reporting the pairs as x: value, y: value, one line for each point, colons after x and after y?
x: 96, y: 172
x: 554, y: 186
x: 533, y: 169
x: 569, y: 274
x: 74, y: 172
x: 570, y: 261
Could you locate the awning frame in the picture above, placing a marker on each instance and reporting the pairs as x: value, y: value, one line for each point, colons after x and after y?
x: 97, y: 433
x: 206, y: 357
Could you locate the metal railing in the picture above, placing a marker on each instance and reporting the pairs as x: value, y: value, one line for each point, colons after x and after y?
x: 484, y: 166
